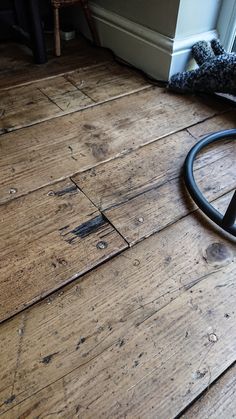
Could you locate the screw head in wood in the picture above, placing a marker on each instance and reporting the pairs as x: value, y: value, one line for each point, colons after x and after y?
x: 102, y: 245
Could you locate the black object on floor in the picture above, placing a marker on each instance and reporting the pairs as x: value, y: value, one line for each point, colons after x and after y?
x: 227, y: 221
x: 36, y: 31
x: 21, y: 20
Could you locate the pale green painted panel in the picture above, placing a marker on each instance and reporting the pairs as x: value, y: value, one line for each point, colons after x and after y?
x: 159, y: 15
x: 197, y: 17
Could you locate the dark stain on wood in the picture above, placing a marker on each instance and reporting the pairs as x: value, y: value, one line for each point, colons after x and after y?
x: 4, y: 131
x: 47, y: 359
x: 123, y: 123
x: 72, y: 153
x: 10, y: 400
x: 218, y: 253
x: 99, y: 150
x: 2, y: 112
x: 89, y: 127
x: 81, y: 341
x: 121, y: 343
x: 64, y: 228
x: 70, y: 190
x: 29, y: 411
x: 85, y: 229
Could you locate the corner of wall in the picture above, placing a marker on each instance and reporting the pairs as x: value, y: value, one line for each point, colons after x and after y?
x: 156, y: 54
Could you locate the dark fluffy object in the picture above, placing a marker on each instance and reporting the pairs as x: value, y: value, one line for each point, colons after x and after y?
x: 216, y: 72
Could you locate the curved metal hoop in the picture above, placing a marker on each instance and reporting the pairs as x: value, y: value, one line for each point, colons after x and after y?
x: 227, y: 221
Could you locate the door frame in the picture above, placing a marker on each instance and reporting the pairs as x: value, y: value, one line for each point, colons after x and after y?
x: 226, y: 24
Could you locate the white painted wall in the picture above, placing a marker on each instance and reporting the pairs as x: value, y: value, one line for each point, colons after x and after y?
x: 154, y: 35
x: 149, y: 13
x: 197, y: 16
x: 226, y: 24
x: 197, y: 20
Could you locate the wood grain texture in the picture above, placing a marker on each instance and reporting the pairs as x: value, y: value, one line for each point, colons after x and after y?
x: 49, y: 238
x: 217, y: 123
x: 147, y: 332
x: 26, y: 105
x: 58, y: 148
x: 219, y: 401
x: 29, y: 104
x: 141, y: 336
x: 18, y: 68
x: 108, y: 81
x: 151, y: 166
x: 160, y: 206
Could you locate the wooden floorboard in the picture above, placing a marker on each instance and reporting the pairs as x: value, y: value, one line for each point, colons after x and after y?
x: 152, y: 211
x: 141, y: 194
x: 90, y: 327
x: 219, y: 401
x: 17, y: 66
x: 218, y: 123
x: 140, y: 336
x: 49, y: 238
x: 26, y: 105
x: 39, y: 101
x: 44, y: 153
x: 125, y: 177
x: 107, y: 81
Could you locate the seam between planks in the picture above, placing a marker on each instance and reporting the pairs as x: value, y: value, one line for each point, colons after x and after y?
x: 65, y: 113
x: 121, y: 155
x: 50, y: 100
x: 70, y: 280
x: 102, y: 213
x: 190, y: 212
x: 78, y: 89
x: 63, y: 73
x: 153, y: 188
x: 204, y: 392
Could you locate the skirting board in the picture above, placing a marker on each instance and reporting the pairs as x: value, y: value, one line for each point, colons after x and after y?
x: 154, y: 53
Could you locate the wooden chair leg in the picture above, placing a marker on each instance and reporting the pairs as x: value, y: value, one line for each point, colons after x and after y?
x: 90, y: 21
x: 57, y: 39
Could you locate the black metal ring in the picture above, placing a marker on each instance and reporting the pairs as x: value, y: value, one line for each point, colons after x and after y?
x: 227, y: 221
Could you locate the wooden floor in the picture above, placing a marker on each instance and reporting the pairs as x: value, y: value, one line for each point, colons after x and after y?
x: 117, y: 296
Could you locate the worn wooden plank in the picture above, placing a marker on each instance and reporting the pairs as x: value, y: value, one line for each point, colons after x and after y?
x: 49, y: 238
x: 18, y: 68
x: 9, y: 364
x: 27, y: 105
x: 52, y: 402
x: 135, y: 337
x: 58, y: 148
x: 153, y: 210
x: 124, y: 178
x: 219, y: 401
x: 217, y: 123
x: 40, y: 101
x: 108, y: 81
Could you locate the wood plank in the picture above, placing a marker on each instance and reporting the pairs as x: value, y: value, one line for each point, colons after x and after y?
x: 17, y: 67
x: 55, y: 149
x: 49, y: 238
x: 217, y: 123
x: 219, y: 401
x: 126, y: 177
x: 25, y: 105
x: 153, y: 210
x: 108, y: 81
x: 135, y: 337
x: 52, y: 400
x: 11, y: 357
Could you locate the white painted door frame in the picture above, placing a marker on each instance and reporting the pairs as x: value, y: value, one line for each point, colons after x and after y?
x: 226, y: 25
